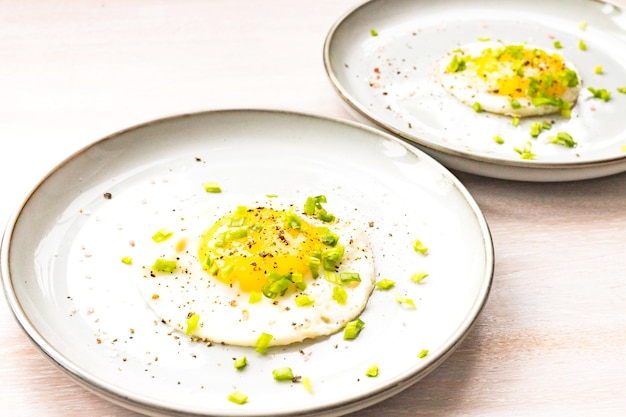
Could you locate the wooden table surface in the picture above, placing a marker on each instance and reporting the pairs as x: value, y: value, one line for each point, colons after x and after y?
x: 552, y: 337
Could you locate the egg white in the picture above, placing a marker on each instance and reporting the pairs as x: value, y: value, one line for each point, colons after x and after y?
x: 469, y: 88
x: 226, y: 315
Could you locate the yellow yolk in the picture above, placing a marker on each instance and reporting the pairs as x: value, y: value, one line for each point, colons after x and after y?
x: 245, y: 245
x: 516, y: 71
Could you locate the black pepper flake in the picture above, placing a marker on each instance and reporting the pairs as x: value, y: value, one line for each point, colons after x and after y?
x: 108, y: 196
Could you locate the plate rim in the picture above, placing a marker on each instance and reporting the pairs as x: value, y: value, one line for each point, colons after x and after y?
x: 133, y: 401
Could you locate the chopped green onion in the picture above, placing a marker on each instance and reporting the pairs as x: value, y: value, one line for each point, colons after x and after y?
x: 558, y: 45
x: 212, y: 187
x: 385, y: 284
x: 255, y: 297
x: 340, y: 294
x: 271, y: 195
x: 314, y: 265
x: 583, y: 25
x: 404, y: 300
x: 306, y: 383
x: 456, y: 65
x: 241, y: 362
x: 515, y: 121
x: 484, y: 38
x: 346, y: 277
x: 423, y: 354
x: 373, y: 32
x: 477, y: 107
x: 327, y: 236
x: 621, y: 90
x: 192, y: 323
x: 332, y: 276
x: 263, y: 343
x: 332, y: 257
x: 598, y: 69
x: 525, y: 152
x: 164, y: 265
x: 601, y: 93
x: 238, y: 398
x: 514, y: 104
x: 304, y: 300
x: 128, y: 260
x: 563, y: 138
x: 418, y: 277
x: 535, y: 129
x: 277, y: 287
x: 623, y: 148
x: 352, y: 329
x: 162, y: 235
x: 418, y: 246
x: 582, y: 45
x: 313, y: 207
x: 292, y: 221
x: 283, y: 374
x: 498, y: 139
x: 372, y: 371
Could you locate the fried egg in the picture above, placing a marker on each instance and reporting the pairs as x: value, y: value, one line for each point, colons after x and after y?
x: 294, y: 272
x: 514, y: 80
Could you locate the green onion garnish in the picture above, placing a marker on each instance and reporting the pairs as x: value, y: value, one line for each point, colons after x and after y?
x: 498, y: 139
x: 332, y: 257
x: 352, y: 329
x: 192, y: 323
x: 292, y: 221
x: 621, y: 90
x: 558, y: 45
x: 304, y: 300
x: 525, y: 152
x: 255, y: 297
x: 598, y: 69
x: 404, y: 300
x: 423, y: 354
x: 238, y: 398
x: 128, y: 260
x: 340, y: 294
x: 418, y: 277
x: 477, y: 107
x: 563, y: 138
x: 514, y: 103
x: 372, y: 371
x: 456, y: 65
x: 419, y: 247
x: 263, y: 342
x: 241, y: 362
x: 582, y: 45
x: 283, y: 374
x: 347, y: 277
x: 212, y: 187
x: 306, y: 383
x: 373, y: 32
x: 601, y: 93
x: 327, y: 236
x: 164, y: 265
x: 162, y: 235
x: 385, y: 284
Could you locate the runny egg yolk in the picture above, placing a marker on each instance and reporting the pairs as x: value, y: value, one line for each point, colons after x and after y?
x: 517, y: 71
x: 246, y: 245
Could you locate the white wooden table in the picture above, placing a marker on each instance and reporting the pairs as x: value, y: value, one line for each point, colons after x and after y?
x: 552, y: 338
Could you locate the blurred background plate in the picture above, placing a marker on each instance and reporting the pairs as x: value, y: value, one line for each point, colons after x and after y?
x: 382, y: 59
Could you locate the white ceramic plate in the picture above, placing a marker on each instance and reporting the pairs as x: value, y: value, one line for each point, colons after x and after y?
x: 390, y: 81
x: 63, y: 275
